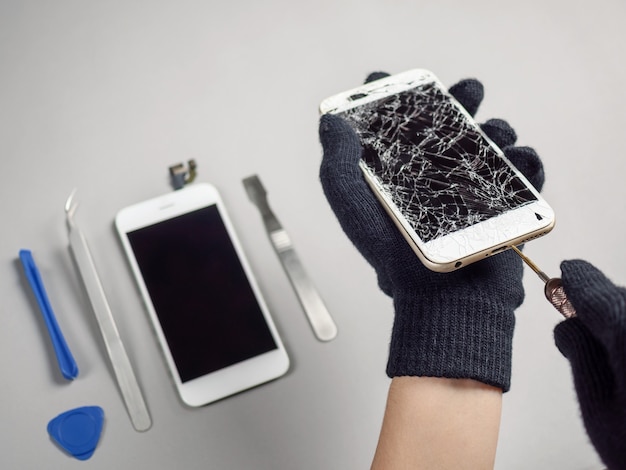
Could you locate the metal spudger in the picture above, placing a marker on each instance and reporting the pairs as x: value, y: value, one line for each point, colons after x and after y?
x: 127, y: 382
x: 553, y: 288
x: 322, y: 323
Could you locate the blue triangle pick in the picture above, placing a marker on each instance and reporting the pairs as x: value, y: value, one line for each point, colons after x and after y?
x: 78, y: 431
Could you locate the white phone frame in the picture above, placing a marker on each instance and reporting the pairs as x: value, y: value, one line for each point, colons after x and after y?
x: 234, y: 378
x: 465, y: 246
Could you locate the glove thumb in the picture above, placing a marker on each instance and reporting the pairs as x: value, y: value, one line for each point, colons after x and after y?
x: 593, y: 378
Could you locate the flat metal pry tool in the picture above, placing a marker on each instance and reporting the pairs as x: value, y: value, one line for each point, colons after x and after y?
x: 319, y: 318
x: 126, y: 380
x: 553, y: 289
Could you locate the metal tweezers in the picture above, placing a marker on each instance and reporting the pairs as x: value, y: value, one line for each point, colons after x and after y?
x: 126, y: 380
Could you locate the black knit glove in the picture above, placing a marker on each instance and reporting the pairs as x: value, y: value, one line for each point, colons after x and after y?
x: 454, y: 325
x: 594, y: 342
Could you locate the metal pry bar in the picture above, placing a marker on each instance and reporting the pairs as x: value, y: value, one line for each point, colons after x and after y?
x: 553, y: 289
x: 319, y: 318
x: 126, y: 380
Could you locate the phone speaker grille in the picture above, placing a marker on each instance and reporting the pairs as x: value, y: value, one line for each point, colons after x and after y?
x: 533, y: 237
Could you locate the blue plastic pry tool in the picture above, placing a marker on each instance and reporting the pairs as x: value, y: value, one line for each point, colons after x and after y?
x: 66, y: 361
x: 78, y: 431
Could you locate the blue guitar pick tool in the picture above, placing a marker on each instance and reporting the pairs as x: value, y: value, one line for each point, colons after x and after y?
x: 78, y: 431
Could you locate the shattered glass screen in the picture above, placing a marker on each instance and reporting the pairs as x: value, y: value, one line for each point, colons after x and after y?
x: 440, y: 172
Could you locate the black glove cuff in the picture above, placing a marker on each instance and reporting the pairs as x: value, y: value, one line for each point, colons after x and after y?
x: 461, y: 337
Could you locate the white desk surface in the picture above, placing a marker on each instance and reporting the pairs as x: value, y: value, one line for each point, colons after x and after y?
x: 104, y: 96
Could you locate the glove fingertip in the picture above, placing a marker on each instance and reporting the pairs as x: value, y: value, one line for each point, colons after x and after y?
x: 528, y: 163
x: 576, y: 271
x: 600, y: 305
x: 375, y: 76
x: 331, y: 124
x: 337, y: 137
x: 470, y: 93
x: 500, y: 132
x: 591, y: 291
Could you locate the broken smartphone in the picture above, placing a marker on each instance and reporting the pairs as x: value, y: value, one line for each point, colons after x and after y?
x: 450, y: 190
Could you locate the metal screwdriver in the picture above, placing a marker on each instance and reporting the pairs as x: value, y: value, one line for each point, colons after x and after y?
x: 553, y: 288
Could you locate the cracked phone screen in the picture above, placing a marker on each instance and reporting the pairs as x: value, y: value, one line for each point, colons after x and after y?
x: 431, y: 161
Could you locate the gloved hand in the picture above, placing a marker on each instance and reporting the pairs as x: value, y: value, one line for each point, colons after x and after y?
x: 594, y: 342
x: 454, y: 325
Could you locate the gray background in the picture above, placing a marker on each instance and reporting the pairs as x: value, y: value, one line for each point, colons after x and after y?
x: 104, y: 96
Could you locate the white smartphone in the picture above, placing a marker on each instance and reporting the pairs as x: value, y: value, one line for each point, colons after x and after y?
x: 210, y: 319
x: 449, y: 189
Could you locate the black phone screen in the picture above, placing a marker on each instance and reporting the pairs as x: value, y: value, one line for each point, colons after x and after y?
x: 432, y: 162
x: 207, y: 309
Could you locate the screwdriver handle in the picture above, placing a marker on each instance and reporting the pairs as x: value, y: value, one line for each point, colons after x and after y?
x: 556, y: 295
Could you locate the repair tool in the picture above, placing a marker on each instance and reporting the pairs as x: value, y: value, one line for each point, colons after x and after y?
x: 553, y: 288
x: 66, y: 361
x: 78, y: 431
x: 322, y: 323
x: 127, y: 382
